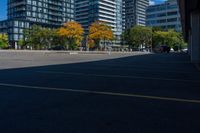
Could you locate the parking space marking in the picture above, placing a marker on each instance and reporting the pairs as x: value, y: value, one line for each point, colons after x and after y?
x: 104, y: 93
x: 118, y: 76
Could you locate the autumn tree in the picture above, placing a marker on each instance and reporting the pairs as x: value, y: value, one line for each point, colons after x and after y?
x: 91, y: 44
x: 72, y: 32
x: 100, y: 31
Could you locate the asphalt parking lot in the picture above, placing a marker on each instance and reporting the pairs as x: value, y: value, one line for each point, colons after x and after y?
x: 23, y: 58
x: 98, y: 93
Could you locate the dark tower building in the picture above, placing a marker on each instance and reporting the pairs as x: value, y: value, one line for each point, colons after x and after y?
x: 46, y: 13
x: 135, y: 12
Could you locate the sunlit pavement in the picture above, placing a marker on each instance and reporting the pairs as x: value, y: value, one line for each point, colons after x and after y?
x: 151, y: 93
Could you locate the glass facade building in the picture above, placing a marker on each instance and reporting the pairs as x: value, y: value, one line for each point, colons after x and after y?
x: 109, y: 11
x: 135, y: 12
x: 46, y: 13
x: 3, y: 26
x: 165, y: 15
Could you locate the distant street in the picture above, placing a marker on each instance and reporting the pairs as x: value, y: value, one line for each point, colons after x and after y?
x: 98, y: 93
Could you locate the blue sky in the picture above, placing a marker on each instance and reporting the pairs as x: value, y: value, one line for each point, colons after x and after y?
x: 3, y: 9
x: 4, y: 2
x: 152, y: 2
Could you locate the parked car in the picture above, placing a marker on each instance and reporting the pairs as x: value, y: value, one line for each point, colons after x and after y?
x: 165, y: 49
x: 185, y: 50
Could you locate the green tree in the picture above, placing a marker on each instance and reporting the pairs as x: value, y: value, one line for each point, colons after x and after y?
x: 139, y: 36
x: 156, y: 28
x: 126, y: 37
x: 33, y: 37
x: 57, y: 39
x: 159, y: 38
x: 3, y: 41
x: 170, y: 38
x: 41, y: 38
x: 48, y: 37
x: 21, y: 43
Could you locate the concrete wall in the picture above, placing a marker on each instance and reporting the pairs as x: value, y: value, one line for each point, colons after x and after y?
x: 194, y: 48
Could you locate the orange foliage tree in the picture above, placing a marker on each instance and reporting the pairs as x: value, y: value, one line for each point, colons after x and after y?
x: 72, y: 32
x: 91, y: 44
x: 100, y: 31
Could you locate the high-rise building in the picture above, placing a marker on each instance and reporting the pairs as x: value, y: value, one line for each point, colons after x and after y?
x: 47, y: 13
x: 82, y: 13
x: 109, y: 11
x: 165, y: 15
x: 52, y: 12
x: 135, y: 12
x: 3, y: 27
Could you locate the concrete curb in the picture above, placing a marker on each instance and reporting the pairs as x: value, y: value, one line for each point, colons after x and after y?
x: 70, y: 52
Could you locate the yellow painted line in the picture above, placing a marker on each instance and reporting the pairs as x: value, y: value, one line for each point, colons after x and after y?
x: 119, y: 76
x: 105, y: 93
